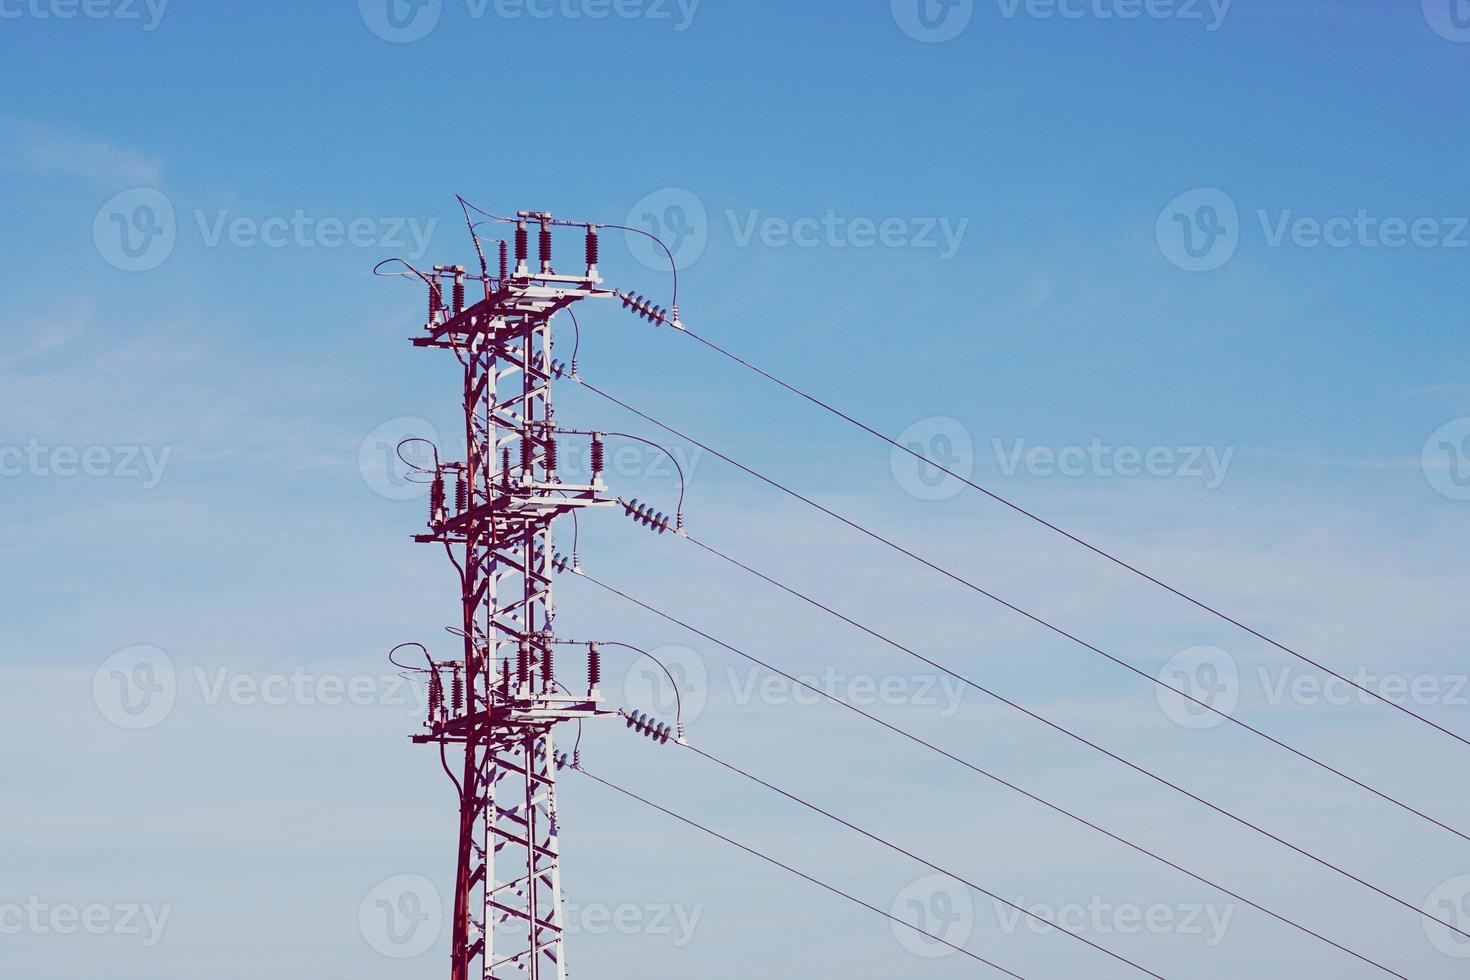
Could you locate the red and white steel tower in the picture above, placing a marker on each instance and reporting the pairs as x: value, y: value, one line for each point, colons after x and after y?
x: 493, y: 513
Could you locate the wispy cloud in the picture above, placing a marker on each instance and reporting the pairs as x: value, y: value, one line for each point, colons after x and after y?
x: 44, y: 149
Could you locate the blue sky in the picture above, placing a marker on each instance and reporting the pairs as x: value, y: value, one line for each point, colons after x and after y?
x: 1048, y: 240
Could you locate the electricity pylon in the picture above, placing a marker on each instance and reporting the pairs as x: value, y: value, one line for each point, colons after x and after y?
x: 504, y: 696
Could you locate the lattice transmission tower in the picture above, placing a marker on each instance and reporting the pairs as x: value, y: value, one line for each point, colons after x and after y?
x: 493, y: 512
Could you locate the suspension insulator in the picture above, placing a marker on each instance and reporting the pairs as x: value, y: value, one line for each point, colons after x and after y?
x: 598, y: 457
x: 545, y: 246
x: 457, y: 692
x: 594, y: 666
x: 504, y: 261
x: 551, y: 455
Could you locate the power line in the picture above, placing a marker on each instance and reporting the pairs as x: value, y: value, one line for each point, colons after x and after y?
x: 1030, y: 515
x: 1035, y: 716
x: 1006, y: 783
x: 800, y: 874
x: 1023, y: 612
x: 911, y: 855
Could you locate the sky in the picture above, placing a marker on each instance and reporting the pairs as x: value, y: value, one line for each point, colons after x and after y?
x: 1186, y: 278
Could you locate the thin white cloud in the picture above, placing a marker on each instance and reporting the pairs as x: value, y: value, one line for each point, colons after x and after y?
x: 44, y: 149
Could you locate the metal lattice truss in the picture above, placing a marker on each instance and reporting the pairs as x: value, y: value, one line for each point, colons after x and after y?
x: 497, y: 528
